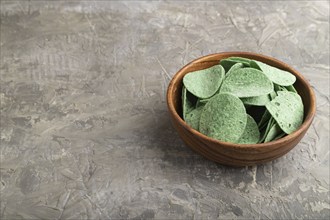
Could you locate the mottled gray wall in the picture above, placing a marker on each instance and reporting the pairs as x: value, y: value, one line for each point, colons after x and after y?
x: 85, y: 132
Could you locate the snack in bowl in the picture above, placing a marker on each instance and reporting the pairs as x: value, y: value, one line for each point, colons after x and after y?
x: 225, y: 95
x: 269, y: 132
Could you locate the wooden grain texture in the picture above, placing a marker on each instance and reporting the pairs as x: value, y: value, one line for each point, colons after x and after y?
x: 237, y: 154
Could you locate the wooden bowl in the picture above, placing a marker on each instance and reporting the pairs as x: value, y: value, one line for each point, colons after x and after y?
x: 229, y: 153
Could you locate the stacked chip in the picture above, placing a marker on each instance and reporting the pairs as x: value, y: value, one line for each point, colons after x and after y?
x: 242, y: 101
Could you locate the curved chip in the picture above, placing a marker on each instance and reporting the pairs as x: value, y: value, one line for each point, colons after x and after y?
x: 273, y: 132
x: 256, y: 100
x: 276, y: 75
x: 204, y: 83
x: 192, y: 118
x: 265, y: 131
x: 247, y: 82
x: 288, y: 110
x: 235, y: 67
x: 279, y: 88
x: 227, y: 63
x: 188, y: 101
x: 251, y: 133
x: 264, y: 119
x: 279, y: 136
x: 223, y: 118
x: 200, y: 102
x: 272, y: 95
x: 291, y: 88
x: 242, y: 60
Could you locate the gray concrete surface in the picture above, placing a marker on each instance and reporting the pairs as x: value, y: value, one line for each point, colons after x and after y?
x: 85, y: 132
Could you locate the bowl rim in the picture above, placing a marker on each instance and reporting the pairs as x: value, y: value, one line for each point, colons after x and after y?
x: 303, y: 127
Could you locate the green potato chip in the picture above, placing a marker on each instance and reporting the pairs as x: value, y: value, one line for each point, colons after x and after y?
x: 273, y: 132
x: 279, y: 136
x: 192, y: 118
x: 291, y: 89
x: 204, y: 83
x: 264, y: 119
x: 204, y: 101
x: 188, y: 102
x: 201, y: 102
x: 283, y: 88
x: 247, y: 82
x: 251, y: 132
x: 227, y: 64
x: 270, y: 123
x: 244, y: 61
x: 256, y: 100
x: 279, y: 88
x: 272, y: 95
x: 276, y: 75
x: 231, y: 61
x: 235, y: 67
x: 223, y: 118
x: 288, y: 110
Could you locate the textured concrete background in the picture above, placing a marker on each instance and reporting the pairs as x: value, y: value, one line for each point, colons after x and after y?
x: 85, y: 132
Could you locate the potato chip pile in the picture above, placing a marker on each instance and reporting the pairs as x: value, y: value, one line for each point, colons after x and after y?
x: 242, y: 101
